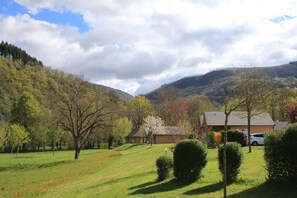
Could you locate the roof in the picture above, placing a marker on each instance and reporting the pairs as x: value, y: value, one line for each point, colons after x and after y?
x: 165, y: 130
x: 280, y: 125
x: 237, y: 118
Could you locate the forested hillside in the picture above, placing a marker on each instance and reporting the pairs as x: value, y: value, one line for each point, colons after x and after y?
x: 211, y: 84
x: 49, y: 108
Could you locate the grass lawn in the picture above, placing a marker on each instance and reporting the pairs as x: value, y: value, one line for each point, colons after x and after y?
x: 128, y: 171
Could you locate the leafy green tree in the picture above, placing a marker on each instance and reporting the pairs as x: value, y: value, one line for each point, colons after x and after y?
x: 3, y: 137
x: 17, y: 136
x: 26, y: 111
x: 122, y: 128
x: 197, y: 105
x: 138, y: 109
x: 54, y: 135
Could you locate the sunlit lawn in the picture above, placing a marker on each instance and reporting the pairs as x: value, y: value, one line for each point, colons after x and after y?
x: 126, y: 171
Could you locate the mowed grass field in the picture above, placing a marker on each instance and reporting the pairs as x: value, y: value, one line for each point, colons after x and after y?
x: 127, y: 171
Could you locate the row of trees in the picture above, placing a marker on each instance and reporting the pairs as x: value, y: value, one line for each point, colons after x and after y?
x: 57, y: 109
x: 62, y: 111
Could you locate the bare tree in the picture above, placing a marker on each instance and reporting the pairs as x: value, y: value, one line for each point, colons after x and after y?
x: 253, y: 87
x: 81, y: 108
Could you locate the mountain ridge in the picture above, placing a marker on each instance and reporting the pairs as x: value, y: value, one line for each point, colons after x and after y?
x: 209, y: 84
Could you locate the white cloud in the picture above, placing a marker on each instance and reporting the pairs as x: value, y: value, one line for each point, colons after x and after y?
x: 139, y: 45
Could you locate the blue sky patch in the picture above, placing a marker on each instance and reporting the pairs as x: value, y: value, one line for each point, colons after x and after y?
x: 11, y: 8
x: 280, y: 19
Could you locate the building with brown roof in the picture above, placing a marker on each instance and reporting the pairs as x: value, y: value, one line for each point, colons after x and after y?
x: 237, y: 120
x: 166, y: 135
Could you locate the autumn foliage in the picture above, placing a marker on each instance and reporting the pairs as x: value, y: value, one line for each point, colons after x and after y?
x: 291, y: 110
x: 217, y: 136
x: 174, y: 112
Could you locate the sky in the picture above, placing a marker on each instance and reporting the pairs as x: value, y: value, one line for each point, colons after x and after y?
x: 138, y: 45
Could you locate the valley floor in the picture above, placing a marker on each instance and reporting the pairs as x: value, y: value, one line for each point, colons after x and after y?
x: 127, y: 171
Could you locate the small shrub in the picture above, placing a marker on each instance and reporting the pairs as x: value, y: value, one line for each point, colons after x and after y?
x: 210, y: 140
x: 280, y: 155
x: 189, y: 159
x: 234, y: 159
x: 164, y: 166
x: 235, y: 136
x: 217, y: 136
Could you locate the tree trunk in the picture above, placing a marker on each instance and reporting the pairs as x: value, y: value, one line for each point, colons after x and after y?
x: 60, y: 144
x: 225, y: 155
x: 17, y: 153
x: 249, y: 131
x: 77, y: 148
x: 53, y: 148
x: 77, y: 152
x: 110, y: 140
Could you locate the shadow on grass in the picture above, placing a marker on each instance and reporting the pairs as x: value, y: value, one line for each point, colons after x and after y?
x: 52, y: 164
x: 269, y: 190
x: 160, y: 187
x: 22, y: 157
x: 123, y: 148
x: 116, y: 180
x: 205, y: 189
x: 143, y: 185
x: 14, y: 167
x: 20, y: 166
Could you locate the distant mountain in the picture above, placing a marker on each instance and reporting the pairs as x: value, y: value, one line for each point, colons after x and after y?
x: 118, y: 92
x: 211, y: 83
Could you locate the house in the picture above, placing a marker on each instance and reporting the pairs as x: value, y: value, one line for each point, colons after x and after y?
x: 237, y: 120
x: 280, y: 125
x: 165, y: 135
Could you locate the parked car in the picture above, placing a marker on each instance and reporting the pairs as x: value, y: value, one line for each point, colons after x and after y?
x: 257, y: 139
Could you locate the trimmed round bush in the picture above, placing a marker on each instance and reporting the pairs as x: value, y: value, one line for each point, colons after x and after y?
x: 189, y: 158
x: 236, y: 136
x: 234, y: 159
x: 280, y: 154
x: 164, y: 166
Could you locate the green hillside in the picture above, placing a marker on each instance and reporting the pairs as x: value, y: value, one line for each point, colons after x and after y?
x: 29, y: 94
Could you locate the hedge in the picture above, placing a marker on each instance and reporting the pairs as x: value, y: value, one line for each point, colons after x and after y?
x: 280, y: 153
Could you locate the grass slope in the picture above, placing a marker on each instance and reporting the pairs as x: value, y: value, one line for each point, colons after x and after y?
x: 126, y: 171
